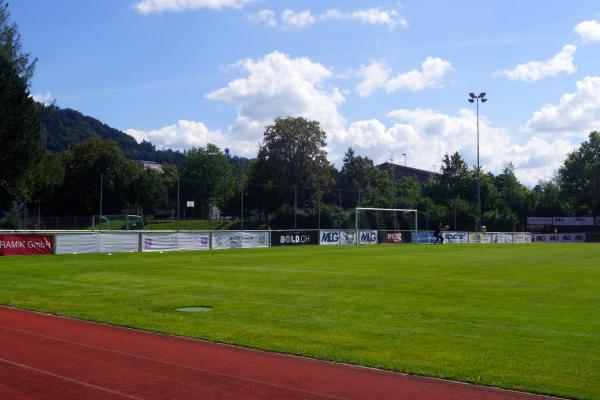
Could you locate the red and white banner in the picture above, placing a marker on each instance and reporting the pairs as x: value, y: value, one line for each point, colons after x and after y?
x: 25, y: 245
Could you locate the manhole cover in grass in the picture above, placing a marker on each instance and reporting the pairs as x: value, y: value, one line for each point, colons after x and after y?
x: 195, y: 309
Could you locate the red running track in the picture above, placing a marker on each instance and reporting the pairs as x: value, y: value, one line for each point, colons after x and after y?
x: 49, y: 357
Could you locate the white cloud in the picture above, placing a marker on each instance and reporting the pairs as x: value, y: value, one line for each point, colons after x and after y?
x: 425, y: 135
x: 298, y: 19
x: 301, y: 19
x: 280, y: 85
x: 377, y: 75
x: 267, y: 17
x: 589, y: 31
x: 44, y: 98
x: 536, y: 70
x: 157, y: 6
x: 576, y: 115
x: 377, y: 16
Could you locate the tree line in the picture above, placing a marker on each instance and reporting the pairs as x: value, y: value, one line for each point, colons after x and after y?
x: 289, y: 180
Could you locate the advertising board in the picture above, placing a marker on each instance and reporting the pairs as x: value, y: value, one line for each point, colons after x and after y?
x: 193, y: 241
x: 25, y: 245
x: 574, y: 221
x: 455, y: 237
x: 495, y: 237
x: 390, y: 237
x: 476, y: 237
x: 78, y: 243
x: 423, y: 237
x: 159, y: 242
x: 539, y: 220
x: 232, y: 240
x: 559, y: 237
x: 294, y: 238
x: 329, y: 237
x: 367, y: 237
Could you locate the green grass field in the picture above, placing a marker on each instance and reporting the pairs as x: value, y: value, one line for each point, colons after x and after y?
x: 525, y: 317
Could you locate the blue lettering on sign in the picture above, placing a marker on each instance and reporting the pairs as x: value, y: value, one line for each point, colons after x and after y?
x: 330, y: 237
x: 455, y: 236
x: 368, y: 237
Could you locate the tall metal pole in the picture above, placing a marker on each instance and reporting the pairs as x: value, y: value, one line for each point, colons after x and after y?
x: 101, y: 190
x: 242, y: 186
x: 319, y: 207
x: 479, y: 221
x: 177, y: 204
x: 295, y: 206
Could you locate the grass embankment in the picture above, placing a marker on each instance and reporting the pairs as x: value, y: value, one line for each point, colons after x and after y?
x: 525, y: 317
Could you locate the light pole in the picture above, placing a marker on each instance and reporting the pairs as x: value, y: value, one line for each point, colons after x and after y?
x: 475, y: 99
x: 404, y: 154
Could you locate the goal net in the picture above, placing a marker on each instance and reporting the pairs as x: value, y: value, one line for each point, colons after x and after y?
x: 393, y: 225
x: 123, y: 222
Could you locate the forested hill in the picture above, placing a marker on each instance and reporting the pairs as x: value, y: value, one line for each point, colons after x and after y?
x: 63, y: 127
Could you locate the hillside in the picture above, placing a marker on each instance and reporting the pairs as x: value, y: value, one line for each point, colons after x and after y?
x: 63, y: 127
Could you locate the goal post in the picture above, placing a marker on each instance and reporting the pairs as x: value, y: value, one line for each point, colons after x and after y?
x: 121, y: 222
x: 386, y: 220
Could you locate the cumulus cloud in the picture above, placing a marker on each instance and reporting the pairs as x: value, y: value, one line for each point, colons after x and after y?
x: 576, y: 114
x: 536, y: 70
x: 267, y: 17
x: 588, y: 31
x: 156, y: 6
x: 425, y: 135
x: 378, y: 75
x: 44, y: 98
x: 298, y: 19
x: 279, y: 85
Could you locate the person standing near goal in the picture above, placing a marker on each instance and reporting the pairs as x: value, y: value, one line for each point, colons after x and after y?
x: 437, y: 234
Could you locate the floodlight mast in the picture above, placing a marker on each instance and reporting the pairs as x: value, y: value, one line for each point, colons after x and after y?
x: 475, y: 99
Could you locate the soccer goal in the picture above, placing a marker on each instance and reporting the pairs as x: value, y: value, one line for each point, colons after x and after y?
x: 123, y: 222
x: 393, y: 225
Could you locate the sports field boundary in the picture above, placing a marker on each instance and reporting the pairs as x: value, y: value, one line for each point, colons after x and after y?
x: 483, y: 392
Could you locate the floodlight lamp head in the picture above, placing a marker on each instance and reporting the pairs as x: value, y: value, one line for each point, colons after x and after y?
x: 471, y: 101
x: 482, y: 95
x: 472, y: 95
x: 484, y: 100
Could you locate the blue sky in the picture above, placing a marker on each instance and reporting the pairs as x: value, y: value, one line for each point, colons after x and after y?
x: 381, y: 76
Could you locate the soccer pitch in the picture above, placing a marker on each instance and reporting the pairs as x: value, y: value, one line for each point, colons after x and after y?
x: 525, y: 317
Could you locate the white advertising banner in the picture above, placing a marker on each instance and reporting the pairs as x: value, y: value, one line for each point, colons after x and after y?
x: 559, y: 237
x: 539, y: 220
x: 367, y: 237
x: 329, y: 237
x: 119, y: 242
x: 76, y: 243
x: 509, y: 238
x: 193, y: 241
x: 231, y: 240
x: 159, y: 241
x: 522, y: 237
x: 476, y: 237
x: 347, y: 237
x: 574, y: 221
x: 455, y: 237
x: 495, y: 237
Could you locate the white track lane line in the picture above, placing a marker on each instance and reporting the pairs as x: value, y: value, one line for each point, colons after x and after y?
x: 64, y: 378
x: 174, y: 364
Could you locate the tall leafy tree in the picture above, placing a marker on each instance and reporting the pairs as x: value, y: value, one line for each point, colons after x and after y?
x: 292, y: 155
x: 85, y: 164
x: 579, y: 178
x: 19, y: 128
x: 206, y: 178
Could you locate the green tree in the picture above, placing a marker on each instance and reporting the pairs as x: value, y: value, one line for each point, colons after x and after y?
x: 19, y: 128
x: 85, y: 163
x: 206, y: 178
x: 579, y: 178
x: 292, y: 155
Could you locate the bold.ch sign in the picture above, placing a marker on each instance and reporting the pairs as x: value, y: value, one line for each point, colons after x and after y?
x: 25, y: 245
